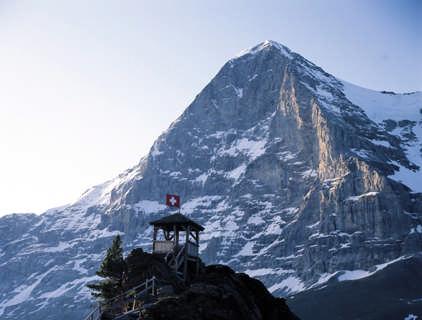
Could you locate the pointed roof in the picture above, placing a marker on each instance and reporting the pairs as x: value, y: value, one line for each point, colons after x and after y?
x: 177, y: 219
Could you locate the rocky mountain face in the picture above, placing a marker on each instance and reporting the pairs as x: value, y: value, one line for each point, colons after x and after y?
x: 298, y: 178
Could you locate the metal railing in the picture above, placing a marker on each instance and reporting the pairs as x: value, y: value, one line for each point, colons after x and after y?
x: 95, y: 314
x: 131, y: 296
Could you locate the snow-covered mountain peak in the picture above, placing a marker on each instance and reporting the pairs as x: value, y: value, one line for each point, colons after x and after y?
x: 265, y: 45
x: 288, y: 168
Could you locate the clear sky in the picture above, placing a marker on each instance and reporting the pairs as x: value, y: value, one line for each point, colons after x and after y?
x: 86, y: 86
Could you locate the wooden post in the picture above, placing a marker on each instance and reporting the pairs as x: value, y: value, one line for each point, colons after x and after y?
x: 185, y: 267
x: 153, y: 286
x: 197, y: 258
x: 187, y: 234
x: 154, y: 238
x: 176, y: 236
x: 175, y: 239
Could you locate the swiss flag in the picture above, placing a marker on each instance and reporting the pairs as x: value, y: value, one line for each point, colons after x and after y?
x: 173, y: 200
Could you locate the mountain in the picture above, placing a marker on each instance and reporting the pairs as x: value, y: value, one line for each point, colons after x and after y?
x: 298, y: 177
x: 392, y: 293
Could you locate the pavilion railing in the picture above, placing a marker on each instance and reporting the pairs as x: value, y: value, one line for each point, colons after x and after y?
x: 193, y: 249
x: 163, y: 246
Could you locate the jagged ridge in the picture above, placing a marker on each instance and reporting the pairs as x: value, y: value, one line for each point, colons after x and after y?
x: 290, y: 177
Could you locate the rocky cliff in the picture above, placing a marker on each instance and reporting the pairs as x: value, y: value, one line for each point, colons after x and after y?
x: 297, y: 176
x: 220, y: 293
x: 216, y: 292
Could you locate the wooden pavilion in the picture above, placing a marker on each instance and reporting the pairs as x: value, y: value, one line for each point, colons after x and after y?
x: 176, y: 237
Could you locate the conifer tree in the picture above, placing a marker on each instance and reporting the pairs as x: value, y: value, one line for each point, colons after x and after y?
x: 112, y: 271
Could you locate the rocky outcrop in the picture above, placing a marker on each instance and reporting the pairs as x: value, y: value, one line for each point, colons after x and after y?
x: 215, y: 292
x: 141, y: 265
x: 220, y: 293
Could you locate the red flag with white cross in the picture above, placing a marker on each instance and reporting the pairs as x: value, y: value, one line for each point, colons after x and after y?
x: 173, y: 200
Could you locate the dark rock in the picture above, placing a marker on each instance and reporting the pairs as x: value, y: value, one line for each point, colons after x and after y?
x: 221, y: 294
x: 216, y: 293
x: 142, y: 265
x: 392, y: 293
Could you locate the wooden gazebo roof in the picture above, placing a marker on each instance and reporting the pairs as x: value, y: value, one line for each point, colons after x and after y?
x: 178, y: 220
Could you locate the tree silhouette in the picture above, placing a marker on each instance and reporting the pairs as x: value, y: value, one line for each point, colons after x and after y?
x: 112, y: 270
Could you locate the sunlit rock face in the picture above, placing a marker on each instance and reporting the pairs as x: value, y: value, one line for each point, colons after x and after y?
x: 295, y: 175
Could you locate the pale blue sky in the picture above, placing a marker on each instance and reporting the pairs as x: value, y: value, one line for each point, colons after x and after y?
x: 86, y: 86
